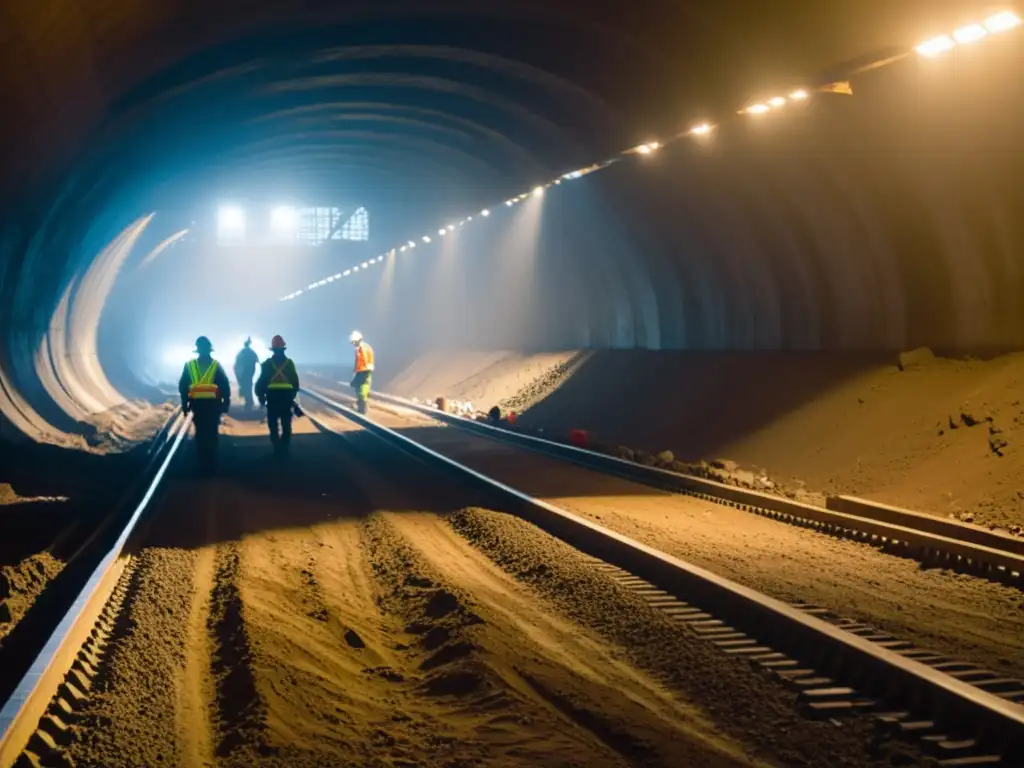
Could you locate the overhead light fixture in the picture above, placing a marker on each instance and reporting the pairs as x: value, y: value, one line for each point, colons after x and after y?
x: 936, y: 46
x: 972, y: 33
x: 485, y: 212
x: 1001, y: 22
x: 758, y: 109
x: 701, y: 130
x: 799, y: 95
x: 538, y: 191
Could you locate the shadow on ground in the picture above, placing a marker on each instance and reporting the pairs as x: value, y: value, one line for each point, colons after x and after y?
x: 326, y: 478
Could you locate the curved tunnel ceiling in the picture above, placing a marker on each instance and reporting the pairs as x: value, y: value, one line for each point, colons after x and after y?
x: 118, y: 108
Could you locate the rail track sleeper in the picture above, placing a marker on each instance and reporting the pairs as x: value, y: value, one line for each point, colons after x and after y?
x: 832, y: 709
x: 821, y: 694
x: 57, y: 730
x: 738, y: 643
x: 782, y: 665
x: 675, y: 611
x: 699, y: 618
x: 720, y: 637
x: 973, y: 676
x: 915, y: 728
x: 42, y: 745
x: 1000, y: 684
x: 923, y: 656
x: 967, y: 762
x: 765, y: 658
x: 809, y: 683
x: 820, y: 646
x: 747, y: 650
x: 957, y: 747
x: 895, y: 645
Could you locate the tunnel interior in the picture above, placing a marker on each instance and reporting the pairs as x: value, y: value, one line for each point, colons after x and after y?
x: 875, y: 212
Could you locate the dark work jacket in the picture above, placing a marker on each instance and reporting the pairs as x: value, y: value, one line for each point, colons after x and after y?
x: 219, y: 378
x: 267, y: 370
x: 246, y: 363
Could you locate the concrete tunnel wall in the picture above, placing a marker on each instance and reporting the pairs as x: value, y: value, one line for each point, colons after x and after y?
x: 886, y: 219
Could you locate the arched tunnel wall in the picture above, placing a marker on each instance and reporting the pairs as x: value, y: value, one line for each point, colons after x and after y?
x: 882, y: 220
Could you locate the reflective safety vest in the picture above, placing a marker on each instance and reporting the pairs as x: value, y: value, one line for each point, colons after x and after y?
x: 280, y: 378
x: 202, y: 386
x: 364, y: 358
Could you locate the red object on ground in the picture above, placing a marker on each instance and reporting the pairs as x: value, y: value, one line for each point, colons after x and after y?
x: 511, y: 418
x: 580, y: 438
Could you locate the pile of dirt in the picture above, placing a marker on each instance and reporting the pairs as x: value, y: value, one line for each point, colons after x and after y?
x: 21, y: 584
x: 126, y: 427
x: 935, y: 434
x: 484, y: 378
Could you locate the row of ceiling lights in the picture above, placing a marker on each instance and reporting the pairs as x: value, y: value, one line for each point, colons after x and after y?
x: 936, y: 46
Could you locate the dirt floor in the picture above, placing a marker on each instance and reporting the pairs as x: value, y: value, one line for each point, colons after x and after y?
x: 321, y: 611
x: 955, y: 614
x: 942, y: 436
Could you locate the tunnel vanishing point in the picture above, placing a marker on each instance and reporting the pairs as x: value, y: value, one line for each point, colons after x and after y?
x: 881, y: 212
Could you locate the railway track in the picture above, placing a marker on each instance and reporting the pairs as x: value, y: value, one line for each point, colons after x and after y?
x: 839, y: 669
x: 839, y: 664
x: 932, y: 541
x: 41, y: 649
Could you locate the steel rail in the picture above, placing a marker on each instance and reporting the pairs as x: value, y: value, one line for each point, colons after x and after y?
x: 91, y: 576
x: 841, y: 654
x: 925, y: 538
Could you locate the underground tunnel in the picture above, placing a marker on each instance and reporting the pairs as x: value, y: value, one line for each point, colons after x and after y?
x: 771, y: 247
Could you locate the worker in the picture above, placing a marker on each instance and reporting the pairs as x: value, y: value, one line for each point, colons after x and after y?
x: 206, y: 394
x: 363, y: 377
x: 276, y: 389
x: 246, y: 363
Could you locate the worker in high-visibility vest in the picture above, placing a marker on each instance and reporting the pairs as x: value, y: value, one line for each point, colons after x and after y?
x: 363, y: 377
x: 206, y: 394
x: 276, y: 389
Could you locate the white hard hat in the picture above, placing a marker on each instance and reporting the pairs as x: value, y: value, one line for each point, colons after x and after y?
x: 355, y: 337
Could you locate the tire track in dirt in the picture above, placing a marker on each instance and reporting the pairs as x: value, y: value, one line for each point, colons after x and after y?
x: 746, y: 707
x: 241, y: 712
x: 196, y: 686
x: 570, y: 672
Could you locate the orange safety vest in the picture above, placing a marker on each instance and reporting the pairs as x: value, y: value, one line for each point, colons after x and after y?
x: 202, y: 386
x: 280, y: 378
x: 364, y: 358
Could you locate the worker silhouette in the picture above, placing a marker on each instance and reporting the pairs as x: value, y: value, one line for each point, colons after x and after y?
x: 246, y: 363
x: 206, y: 394
x: 362, y: 371
x: 277, y: 388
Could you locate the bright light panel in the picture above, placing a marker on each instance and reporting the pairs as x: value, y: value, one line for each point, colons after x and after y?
x: 778, y: 101
x: 284, y: 219
x: 970, y: 34
x: 936, y: 46
x: 230, y: 223
x: 538, y: 191
x: 1002, y: 22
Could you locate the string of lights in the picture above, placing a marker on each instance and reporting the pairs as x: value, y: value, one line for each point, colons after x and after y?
x: 932, y: 48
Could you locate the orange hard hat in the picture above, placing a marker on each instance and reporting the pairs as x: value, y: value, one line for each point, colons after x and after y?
x: 277, y: 343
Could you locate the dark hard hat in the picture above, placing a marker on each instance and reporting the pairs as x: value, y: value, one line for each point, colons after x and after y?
x: 277, y: 343
x: 204, y: 344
